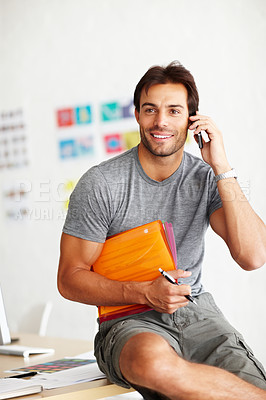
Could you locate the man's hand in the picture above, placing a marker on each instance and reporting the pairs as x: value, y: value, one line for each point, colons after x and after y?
x: 213, y: 152
x: 165, y: 297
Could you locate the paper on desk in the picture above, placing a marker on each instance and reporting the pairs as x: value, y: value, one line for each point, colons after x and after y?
x: 53, y: 366
x: 85, y: 373
x: 89, y: 355
x: 10, y: 388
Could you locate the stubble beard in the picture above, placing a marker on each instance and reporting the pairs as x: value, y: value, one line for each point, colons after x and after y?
x: 161, y: 150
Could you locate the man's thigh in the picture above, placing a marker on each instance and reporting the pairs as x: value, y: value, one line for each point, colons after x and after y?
x: 212, y: 340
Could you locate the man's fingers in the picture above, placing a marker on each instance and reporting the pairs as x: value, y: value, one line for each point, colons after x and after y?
x: 197, y: 139
x: 184, y: 290
x: 179, y: 273
x: 202, y: 127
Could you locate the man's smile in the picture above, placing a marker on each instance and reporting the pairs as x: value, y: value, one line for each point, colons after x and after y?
x: 160, y: 136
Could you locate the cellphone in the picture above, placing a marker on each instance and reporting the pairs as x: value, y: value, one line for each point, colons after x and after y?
x: 200, y: 141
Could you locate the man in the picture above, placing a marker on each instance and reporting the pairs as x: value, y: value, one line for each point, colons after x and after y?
x: 177, y: 350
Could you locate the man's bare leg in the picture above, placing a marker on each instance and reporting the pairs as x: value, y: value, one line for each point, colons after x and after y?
x: 147, y: 360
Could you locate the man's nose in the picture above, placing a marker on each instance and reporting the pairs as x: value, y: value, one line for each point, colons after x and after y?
x: 161, y: 119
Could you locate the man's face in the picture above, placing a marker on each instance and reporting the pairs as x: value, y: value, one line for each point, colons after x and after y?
x: 163, y: 118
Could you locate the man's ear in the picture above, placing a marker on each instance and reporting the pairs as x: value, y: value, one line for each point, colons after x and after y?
x: 137, y: 115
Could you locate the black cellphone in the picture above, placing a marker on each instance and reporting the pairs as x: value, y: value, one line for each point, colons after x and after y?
x: 200, y: 141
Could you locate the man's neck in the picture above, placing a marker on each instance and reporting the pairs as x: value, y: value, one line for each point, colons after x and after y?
x: 159, y: 168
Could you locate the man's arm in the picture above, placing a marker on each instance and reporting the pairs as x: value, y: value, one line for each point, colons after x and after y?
x: 242, y: 230
x: 236, y: 222
x: 77, y: 282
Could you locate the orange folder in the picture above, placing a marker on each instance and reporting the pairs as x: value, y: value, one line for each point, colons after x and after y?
x: 135, y: 255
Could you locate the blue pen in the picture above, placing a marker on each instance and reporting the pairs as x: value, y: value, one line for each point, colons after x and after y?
x: 173, y: 281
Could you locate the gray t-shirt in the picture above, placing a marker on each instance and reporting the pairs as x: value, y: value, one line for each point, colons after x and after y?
x: 117, y: 195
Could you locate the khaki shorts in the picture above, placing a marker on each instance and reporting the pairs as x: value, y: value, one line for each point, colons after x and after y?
x: 197, y: 333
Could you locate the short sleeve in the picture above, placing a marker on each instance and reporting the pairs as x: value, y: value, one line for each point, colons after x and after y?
x: 90, y: 208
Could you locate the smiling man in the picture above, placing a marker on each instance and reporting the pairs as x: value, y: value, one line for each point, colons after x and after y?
x: 163, y: 122
x: 164, y: 116
x: 177, y: 350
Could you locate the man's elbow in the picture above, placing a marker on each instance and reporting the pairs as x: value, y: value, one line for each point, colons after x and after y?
x: 251, y: 262
x: 62, y: 287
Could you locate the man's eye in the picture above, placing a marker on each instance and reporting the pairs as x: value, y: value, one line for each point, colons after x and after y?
x: 175, y: 112
x: 149, y: 110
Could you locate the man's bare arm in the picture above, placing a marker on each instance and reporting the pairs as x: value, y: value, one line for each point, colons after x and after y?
x: 242, y: 230
x: 77, y: 282
x: 236, y: 222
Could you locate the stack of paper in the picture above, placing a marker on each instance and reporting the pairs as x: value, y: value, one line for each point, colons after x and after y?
x: 12, y: 387
x: 86, y: 373
x: 69, y: 371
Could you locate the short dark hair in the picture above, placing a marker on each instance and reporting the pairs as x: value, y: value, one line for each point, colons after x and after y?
x: 173, y: 73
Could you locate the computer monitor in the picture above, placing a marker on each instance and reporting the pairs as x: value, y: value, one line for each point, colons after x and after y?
x: 4, y: 330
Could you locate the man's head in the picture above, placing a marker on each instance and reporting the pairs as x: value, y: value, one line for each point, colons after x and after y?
x: 164, y: 99
x: 173, y: 73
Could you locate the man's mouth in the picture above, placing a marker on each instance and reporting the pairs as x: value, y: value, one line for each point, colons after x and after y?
x: 161, y: 136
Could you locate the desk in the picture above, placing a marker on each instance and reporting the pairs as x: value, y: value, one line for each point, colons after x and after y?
x: 63, y: 347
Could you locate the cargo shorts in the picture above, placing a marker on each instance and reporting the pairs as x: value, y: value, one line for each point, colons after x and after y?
x: 198, y: 334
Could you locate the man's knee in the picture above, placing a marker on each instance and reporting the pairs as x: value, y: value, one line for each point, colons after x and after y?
x: 146, y: 357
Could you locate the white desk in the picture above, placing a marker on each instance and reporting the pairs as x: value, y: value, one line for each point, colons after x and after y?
x: 63, y: 347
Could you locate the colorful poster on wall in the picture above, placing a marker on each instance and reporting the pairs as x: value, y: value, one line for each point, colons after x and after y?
x: 14, y: 152
x: 119, y: 142
x: 75, y: 132
x: 113, y: 143
x: 82, y: 132
x: 74, y: 116
x: 118, y: 126
x: 65, y: 117
x: 116, y: 110
x: 76, y: 147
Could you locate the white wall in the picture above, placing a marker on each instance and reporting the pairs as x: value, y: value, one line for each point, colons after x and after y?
x: 65, y: 52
